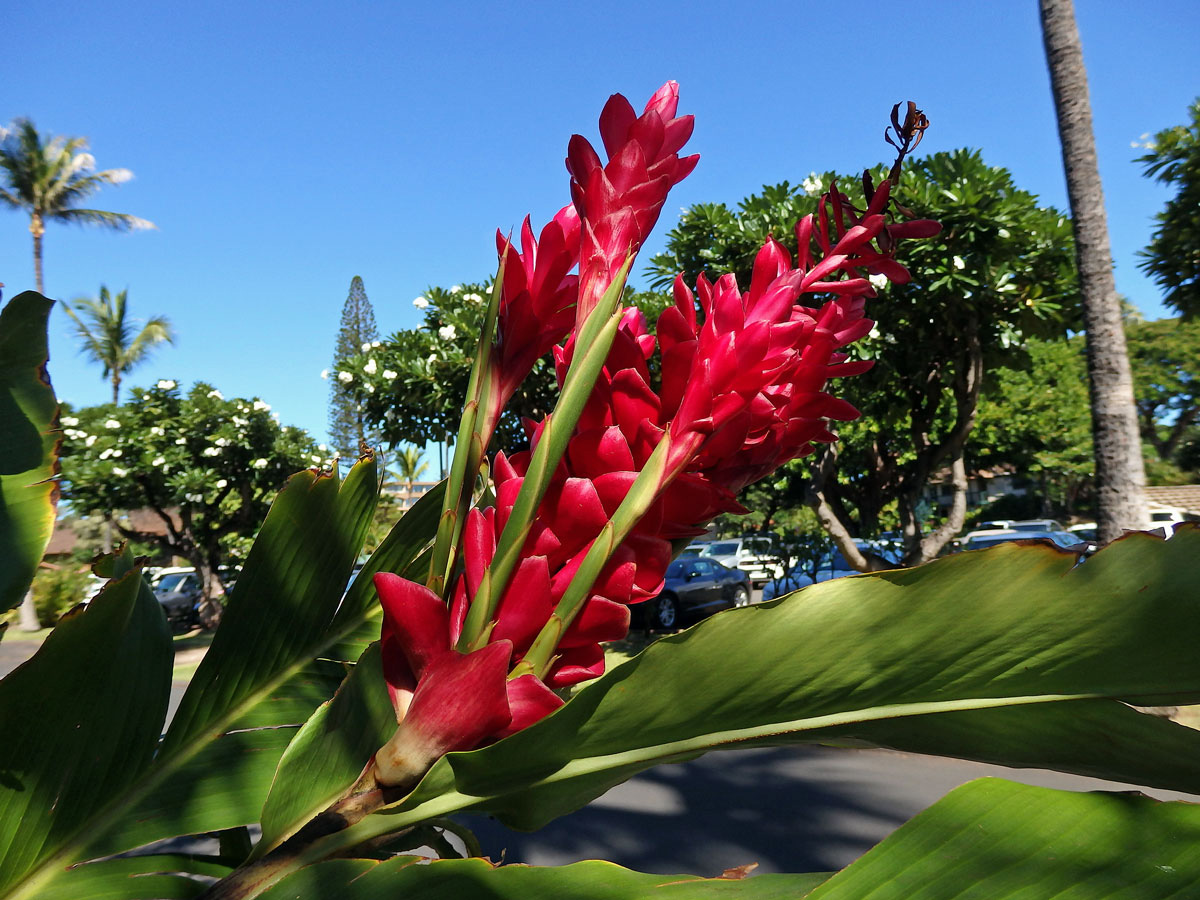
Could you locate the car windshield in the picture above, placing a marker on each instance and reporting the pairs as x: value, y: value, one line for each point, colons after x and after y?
x: 169, y: 583
x: 1060, y: 538
x: 721, y: 548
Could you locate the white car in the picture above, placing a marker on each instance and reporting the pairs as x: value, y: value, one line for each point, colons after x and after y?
x: 751, y: 554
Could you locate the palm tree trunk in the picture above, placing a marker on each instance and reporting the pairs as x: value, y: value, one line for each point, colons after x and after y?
x: 116, y: 386
x: 1120, y: 476
x: 37, y: 227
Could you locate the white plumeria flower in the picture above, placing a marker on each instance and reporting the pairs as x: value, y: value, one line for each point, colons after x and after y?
x: 91, y: 440
x: 166, y: 384
x: 447, y: 332
x: 157, y: 461
x: 181, y: 441
x: 120, y: 473
x: 879, y: 282
x: 116, y: 454
x: 112, y: 423
x: 324, y: 374
x: 455, y: 288
x: 158, y: 431
x: 240, y: 422
x: 105, y: 454
x: 193, y: 498
x: 472, y: 298
x: 259, y: 463
x: 345, y: 377
x: 264, y: 407
x: 811, y: 184
x: 221, y: 482
x: 370, y: 388
x: 420, y: 303
x: 315, y: 459
x: 370, y: 368
x: 70, y: 420
x: 375, y: 344
x: 222, y: 442
x: 959, y: 263
x: 366, y: 347
x: 322, y: 448
x: 211, y: 451
x: 216, y: 394
x: 389, y: 374
x: 1003, y: 232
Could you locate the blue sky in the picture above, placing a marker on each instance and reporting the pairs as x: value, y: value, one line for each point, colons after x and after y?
x: 284, y: 148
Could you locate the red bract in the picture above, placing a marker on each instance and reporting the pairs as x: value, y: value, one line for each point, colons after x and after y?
x: 537, y: 299
x: 444, y: 700
x: 619, y: 202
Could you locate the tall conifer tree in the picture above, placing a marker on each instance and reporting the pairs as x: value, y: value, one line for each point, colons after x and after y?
x: 347, y: 426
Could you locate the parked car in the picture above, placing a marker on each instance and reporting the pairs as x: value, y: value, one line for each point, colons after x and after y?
x: 753, y: 554
x: 832, y: 565
x: 977, y: 540
x: 178, y: 593
x: 695, y: 587
x: 1021, y: 525
x: 695, y: 548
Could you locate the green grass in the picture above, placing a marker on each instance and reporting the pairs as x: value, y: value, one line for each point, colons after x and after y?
x: 15, y: 634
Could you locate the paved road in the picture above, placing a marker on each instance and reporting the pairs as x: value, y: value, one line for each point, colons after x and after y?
x: 811, y: 809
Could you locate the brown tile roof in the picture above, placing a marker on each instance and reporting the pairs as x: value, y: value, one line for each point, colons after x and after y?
x: 1181, y: 496
x: 62, y: 541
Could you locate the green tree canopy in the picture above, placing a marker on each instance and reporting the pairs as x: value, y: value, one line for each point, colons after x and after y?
x: 47, y: 177
x: 1173, y: 257
x: 1000, y: 272
x: 1165, y: 356
x: 205, y: 468
x: 107, y: 335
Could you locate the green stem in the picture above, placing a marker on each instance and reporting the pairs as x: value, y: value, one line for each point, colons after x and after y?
x: 469, y: 446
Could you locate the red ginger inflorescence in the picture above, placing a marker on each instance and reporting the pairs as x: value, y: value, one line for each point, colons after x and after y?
x: 742, y: 391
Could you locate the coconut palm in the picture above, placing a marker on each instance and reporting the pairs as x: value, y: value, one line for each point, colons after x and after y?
x: 47, y: 176
x: 412, y: 466
x: 106, y: 334
x: 1120, y: 476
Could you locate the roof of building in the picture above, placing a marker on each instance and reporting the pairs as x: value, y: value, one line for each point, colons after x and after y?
x: 1181, y: 496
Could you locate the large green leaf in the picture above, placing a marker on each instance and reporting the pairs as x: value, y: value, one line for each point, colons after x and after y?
x: 218, y: 777
x: 81, y: 721
x: 284, y: 599
x: 1002, y: 841
x: 28, y: 444
x: 156, y: 877
x: 1009, y: 628
x: 330, y: 750
x: 480, y: 880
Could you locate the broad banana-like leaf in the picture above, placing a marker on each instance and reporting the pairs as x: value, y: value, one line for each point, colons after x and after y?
x: 1003, y: 841
x: 29, y: 439
x: 216, y: 771
x: 330, y: 751
x: 480, y: 880
x: 1017, y: 637
x: 81, y: 720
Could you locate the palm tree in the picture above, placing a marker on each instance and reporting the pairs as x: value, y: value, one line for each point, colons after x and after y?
x: 48, y: 176
x: 106, y: 335
x: 412, y: 466
x: 1120, y: 475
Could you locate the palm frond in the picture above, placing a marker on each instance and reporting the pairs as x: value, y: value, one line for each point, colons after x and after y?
x: 116, y: 221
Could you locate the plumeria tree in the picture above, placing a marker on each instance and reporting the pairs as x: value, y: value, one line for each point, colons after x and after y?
x: 330, y: 734
x: 999, y: 274
x: 203, y: 468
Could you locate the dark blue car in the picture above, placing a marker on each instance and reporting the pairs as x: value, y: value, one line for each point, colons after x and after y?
x: 695, y: 587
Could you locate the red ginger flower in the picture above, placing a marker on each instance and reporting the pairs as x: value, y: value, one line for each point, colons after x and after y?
x: 619, y: 202
x: 537, y: 297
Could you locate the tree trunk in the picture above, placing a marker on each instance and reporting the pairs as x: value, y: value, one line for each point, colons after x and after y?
x: 37, y: 228
x: 1120, y: 476
x: 116, y: 386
